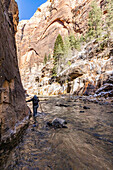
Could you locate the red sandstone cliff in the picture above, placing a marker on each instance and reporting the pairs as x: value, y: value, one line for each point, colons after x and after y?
x: 37, y: 36
x: 39, y: 33
x: 13, y: 109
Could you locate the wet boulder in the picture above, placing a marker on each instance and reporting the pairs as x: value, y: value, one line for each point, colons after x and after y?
x: 57, y: 123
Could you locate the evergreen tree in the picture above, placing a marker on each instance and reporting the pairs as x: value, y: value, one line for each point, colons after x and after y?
x: 82, y: 39
x: 49, y: 57
x: 109, y: 16
x: 67, y: 48
x: 77, y: 43
x: 59, y: 58
x: 94, y: 22
x: 58, y: 41
x: 45, y: 59
x: 58, y: 54
x: 54, y: 70
x: 72, y: 40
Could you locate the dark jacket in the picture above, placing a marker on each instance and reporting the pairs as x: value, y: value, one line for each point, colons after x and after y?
x: 35, y: 101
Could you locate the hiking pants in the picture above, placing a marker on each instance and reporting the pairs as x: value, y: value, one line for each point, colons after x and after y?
x: 35, y: 110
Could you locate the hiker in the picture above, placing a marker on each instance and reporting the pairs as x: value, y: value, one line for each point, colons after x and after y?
x: 35, y: 101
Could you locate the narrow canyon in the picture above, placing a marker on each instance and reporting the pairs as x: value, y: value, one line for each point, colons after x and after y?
x: 64, y: 55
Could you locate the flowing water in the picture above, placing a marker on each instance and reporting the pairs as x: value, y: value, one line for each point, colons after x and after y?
x: 86, y: 143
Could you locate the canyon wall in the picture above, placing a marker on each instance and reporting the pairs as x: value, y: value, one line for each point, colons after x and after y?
x: 13, y: 109
x: 37, y: 36
x: 90, y: 68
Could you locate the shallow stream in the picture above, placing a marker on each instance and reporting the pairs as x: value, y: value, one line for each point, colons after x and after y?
x: 86, y: 143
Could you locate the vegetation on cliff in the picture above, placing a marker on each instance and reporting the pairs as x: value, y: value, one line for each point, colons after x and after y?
x: 109, y: 17
x: 58, y: 54
x: 99, y: 29
x: 63, y: 51
x: 94, y: 22
x: 81, y: 57
x: 98, y: 25
x: 45, y: 59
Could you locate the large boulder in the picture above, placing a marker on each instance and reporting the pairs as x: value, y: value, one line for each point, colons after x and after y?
x: 57, y: 123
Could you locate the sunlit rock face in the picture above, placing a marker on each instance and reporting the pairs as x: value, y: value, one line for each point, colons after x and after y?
x: 13, y: 109
x: 91, y: 71
x: 35, y: 38
x: 53, y: 17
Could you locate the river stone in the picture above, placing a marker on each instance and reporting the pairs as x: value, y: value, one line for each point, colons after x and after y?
x: 57, y: 123
x: 85, y: 107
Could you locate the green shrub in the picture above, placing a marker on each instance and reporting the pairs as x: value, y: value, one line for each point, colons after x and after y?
x: 69, y: 63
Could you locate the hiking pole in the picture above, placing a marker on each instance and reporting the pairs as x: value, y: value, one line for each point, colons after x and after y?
x: 40, y: 107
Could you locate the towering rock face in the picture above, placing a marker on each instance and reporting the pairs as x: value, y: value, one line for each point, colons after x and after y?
x: 36, y: 37
x: 11, y: 8
x: 53, y: 17
x: 13, y: 109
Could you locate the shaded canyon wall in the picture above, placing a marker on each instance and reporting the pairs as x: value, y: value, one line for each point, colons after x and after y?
x: 13, y: 108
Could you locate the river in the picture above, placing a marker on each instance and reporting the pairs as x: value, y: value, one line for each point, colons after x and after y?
x: 86, y: 143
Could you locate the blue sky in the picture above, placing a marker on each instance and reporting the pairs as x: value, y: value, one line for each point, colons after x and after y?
x: 28, y: 7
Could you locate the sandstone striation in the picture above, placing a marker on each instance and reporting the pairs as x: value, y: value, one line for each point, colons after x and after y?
x: 13, y: 109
